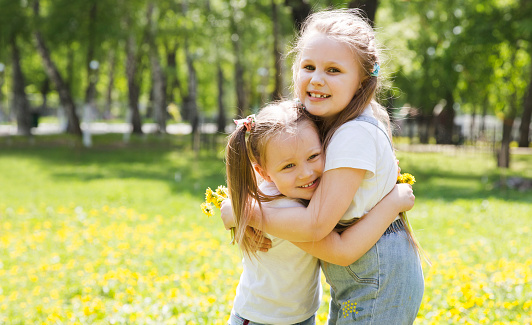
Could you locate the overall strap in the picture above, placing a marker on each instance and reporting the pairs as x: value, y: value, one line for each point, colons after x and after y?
x: 374, y: 121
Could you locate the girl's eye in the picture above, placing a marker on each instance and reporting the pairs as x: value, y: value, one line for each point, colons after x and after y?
x: 288, y: 166
x: 309, y: 67
x: 314, y: 156
x: 334, y: 70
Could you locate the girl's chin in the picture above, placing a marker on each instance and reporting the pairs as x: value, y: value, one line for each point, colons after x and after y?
x: 307, y: 196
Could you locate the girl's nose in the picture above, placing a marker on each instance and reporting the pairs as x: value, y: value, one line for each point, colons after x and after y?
x: 306, y: 172
x: 317, y: 79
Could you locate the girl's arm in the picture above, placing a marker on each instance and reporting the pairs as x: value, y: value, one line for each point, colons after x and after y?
x: 344, y: 249
x: 327, y: 206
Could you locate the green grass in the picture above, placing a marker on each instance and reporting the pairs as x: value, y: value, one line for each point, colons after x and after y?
x: 114, y: 234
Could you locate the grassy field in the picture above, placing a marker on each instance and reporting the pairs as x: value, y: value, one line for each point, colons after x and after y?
x: 114, y: 235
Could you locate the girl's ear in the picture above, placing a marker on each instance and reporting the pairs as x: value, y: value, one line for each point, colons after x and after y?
x: 262, y: 172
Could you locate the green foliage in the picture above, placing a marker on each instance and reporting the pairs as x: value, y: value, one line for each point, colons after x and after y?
x: 454, y: 47
x: 435, y: 49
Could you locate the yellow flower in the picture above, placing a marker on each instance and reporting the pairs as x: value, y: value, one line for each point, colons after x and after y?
x: 222, y: 191
x: 209, y: 195
x: 207, y: 209
x: 218, y: 201
x: 214, y: 198
x: 406, y: 178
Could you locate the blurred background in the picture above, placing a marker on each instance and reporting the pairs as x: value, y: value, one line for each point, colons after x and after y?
x: 457, y: 72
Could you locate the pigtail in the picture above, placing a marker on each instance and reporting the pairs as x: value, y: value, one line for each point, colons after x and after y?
x: 243, y: 188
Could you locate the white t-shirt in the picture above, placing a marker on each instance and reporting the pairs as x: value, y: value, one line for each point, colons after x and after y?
x: 283, y: 285
x: 359, y: 144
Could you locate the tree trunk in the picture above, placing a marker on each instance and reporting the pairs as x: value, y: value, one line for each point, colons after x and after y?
x: 53, y: 73
x: 472, y: 125
x: 221, y: 108
x: 109, y: 91
x: 3, y: 115
x: 446, y: 122
x: 191, y: 106
x: 92, y: 68
x: 158, y: 80
x: 503, y: 159
x: 424, y: 125
x: 241, y: 100
x: 278, y: 91
x: 159, y: 94
x: 300, y: 10
x: 524, y: 128
x: 45, y: 89
x: 133, y: 87
x: 483, y: 118
x: 64, y: 92
x: 20, y: 100
x: 369, y: 7
x: 70, y: 69
x: 172, y: 77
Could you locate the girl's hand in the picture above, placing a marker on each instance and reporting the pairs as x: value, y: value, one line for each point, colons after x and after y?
x: 229, y: 222
x: 227, y: 214
x: 403, y: 196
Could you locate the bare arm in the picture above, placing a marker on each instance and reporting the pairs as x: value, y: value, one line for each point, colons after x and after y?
x: 329, y: 203
x: 344, y: 249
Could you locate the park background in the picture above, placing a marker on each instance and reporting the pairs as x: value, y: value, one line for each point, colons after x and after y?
x: 113, y: 119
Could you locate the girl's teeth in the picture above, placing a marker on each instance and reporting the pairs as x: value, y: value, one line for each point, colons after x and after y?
x: 318, y: 95
x: 308, y: 185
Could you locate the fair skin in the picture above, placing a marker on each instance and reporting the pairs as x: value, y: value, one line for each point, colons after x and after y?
x: 328, y: 76
x: 337, y: 186
x: 294, y: 164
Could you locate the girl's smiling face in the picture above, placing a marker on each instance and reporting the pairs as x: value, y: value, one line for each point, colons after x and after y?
x: 329, y: 75
x: 294, y: 162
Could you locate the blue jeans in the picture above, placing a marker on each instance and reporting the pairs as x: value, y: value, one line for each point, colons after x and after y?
x: 238, y: 320
x: 385, y: 286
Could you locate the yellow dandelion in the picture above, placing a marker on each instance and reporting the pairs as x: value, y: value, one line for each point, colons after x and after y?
x: 222, y: 191
x: 406, y: 178
x: 218, y: 201
x: 207, y: 209
x: 209, y: 195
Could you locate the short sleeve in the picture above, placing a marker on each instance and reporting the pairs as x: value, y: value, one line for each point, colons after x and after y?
x: 352, y: 146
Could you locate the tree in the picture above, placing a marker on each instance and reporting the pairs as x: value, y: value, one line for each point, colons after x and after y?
x: 134, y: 54
x: 521, y: 14
x: 54, y: 74
x: 20, y: 100
x: 524, y: 128
x: 241, y: 96
x: 368, y: 6
x: 158, y: 77
x: 13, y: 30
x: 91, y: 64
x: 278, y: 90
x: 300, y: 10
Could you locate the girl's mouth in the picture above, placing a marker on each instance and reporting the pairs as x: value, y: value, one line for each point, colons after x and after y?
x: 317, y: 95
x: 311, y: 184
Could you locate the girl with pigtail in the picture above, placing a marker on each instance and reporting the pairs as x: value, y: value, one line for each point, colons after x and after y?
x: 336, y: 77
x: 275, y: 160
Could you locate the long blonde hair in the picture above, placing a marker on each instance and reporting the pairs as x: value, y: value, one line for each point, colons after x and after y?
x: 246, y: 148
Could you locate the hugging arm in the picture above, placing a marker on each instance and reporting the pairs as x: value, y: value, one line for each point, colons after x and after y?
x: 344, y: 249
x: 329, y: 203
